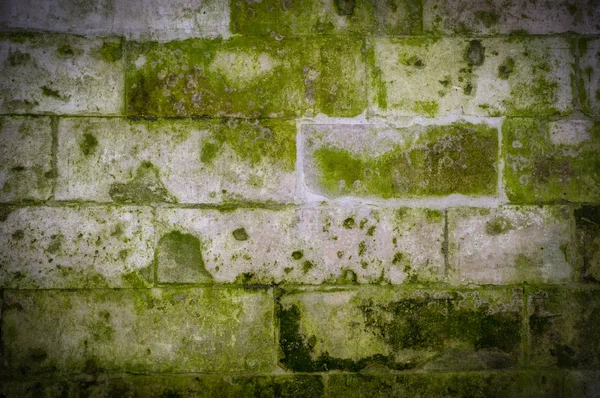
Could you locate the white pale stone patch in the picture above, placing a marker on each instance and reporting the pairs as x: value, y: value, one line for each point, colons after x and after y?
x: 241, y: 68
x: 58, y: 248
x: 26, y: 158
x: 313, y: 245
x: 510, y: 245
x: 175, y: 149
x: 570, y: 132
x: 60, y: 74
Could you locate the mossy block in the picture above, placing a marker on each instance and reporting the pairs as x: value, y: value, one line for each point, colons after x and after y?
x: 531, y: 383
x: 76, y: 248
x: 247, y: 77
x: 511, y: 245
x: 176, y: 161
x: 138, y: 331
x: 548, y: 162
x: 370, y: 328
x: 375, y: 161
x: 463, y: 17
x: 587, y: 220
x: 422, y: 76
x: 26, y: 172
x: 589, y: 76
x: 279, y: 19
x: 563, y: 327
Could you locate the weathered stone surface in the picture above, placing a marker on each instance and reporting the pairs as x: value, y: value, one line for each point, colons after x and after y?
x: 508, y: 245
x: 247, y: 77
x: 139, y: 331
x: 378, y: 328
x: 472, y: 384
x: 134, y: 19
x: 26, y: 153
x: 514, y: 17
x: 587, y: 220
x: 589, y: 76
x: 184, y: 161
x: 51, y: 247
x: 307, y: 245
x: 563, y: 327
x: 169, y: 386
x: 582, y: 384
x: 379, y: 161
x: 491, y: 77
x: 50, y: 73
x: 549, y: 162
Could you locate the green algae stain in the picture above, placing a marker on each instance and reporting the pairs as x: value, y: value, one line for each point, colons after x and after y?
x: 111, y: 51
x: 488, y: 18
x: 459, y: 158
x: 506, y: 68
x: 498, y: 225
x: 145, y: 187
x: 429, y: 108
x: 49, y: 92
x: 208, y: 152
x: 179, y: 259
x: 240, y: 234
x: 89, y: 144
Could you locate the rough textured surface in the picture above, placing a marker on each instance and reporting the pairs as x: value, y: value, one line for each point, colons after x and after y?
x: 26, y: 170
x: 589, y: 76
x: 60, y: 74
x: 511, y: 245
x: 184, y: 161
x: 216, y: 330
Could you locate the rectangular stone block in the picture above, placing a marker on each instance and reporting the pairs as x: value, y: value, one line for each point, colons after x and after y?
x: 139, y: 331
x: 247, y: 77
x: 507, y: 245
x: 491, y: 77
x: 551, y: 161
x: 582, y: 384
x: 134, y: 19
x: 381, y: 328
x: 26, y: 171
x: 563, y: 327
x: 587, y: 221
x: 514, y: 17
x: 532, y: 383
x: 62, y: 74
x: 320, y: 245
x: 589, y: 76
x: 76, y: 247
x: 176, y: 161
x: 376, y: 161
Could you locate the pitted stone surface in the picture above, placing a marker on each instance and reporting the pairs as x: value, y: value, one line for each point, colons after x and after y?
x: 509, y: 245
x: 320, y: 245
x: 26, y: 159
x: 181, y: 161
x: 207, y: 330
x: 69, y: 248
x: 511, y: 17
x: 488, y: 77
x: 61, y: 74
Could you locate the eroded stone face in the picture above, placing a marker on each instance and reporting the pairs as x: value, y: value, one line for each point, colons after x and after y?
x: 139, y: 331
x: 61, y: 74
x: 548, y: 162
x: 247, y: 77
x: 69, y: 248
x: 352, y: 330
x: 179, y: 161
x: 516, y: 17
x: 26, y: 167
x: 509, y: 245
x: 417, y: 161
x: 488, y: 77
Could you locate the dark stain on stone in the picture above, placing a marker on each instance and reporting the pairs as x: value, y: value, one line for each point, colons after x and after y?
x: 49, y: 92
x: 297, y: 255
x: 345, y: 7
x: 17, y: 58
x: 506, y: 68
x: 145, y: 187
x: 89, y: 144
x: 475, y: 54
x: 240, y: 234
x: 55, y: 244
x: 18, y: 234
x: 183, y: 252
x: 497, y: 226
x: 349, y: 223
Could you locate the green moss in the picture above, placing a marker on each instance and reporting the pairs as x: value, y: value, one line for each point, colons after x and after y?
x: 434, y: 215
x: 240, y: 234
x: 451, y: 159
x: 111, y: 51
x: 208, y: 152
x: 145, y: 187
x: 89, y: 144
x: 488, y: 18
x: 48, y: 92
x: 498, y: 225
x: 297, y: 255
x: 362, y: 248
x: 371, y: 230
x: 429, y: 108
x: 178, y: 259
x: 139, y: 279
x: 349, y: 223
x: 307, y: 266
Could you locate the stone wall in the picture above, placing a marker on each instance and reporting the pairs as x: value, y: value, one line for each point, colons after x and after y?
x: 300, y: 198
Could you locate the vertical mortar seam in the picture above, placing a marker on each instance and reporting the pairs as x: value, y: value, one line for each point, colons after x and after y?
x: 54, y: 154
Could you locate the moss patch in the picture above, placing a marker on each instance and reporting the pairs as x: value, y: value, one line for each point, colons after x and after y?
x: 145, y: 187
x: 179, y: 259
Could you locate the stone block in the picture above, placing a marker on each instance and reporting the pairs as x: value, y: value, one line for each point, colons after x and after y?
x: 589, y: 75
x: 587, y: 221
